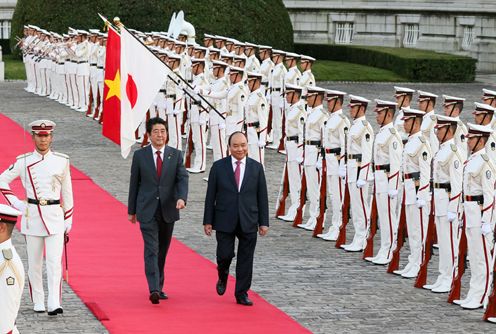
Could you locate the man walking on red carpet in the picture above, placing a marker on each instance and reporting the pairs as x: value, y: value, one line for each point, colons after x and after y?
x: 158, y: 189
x: 236, y: 205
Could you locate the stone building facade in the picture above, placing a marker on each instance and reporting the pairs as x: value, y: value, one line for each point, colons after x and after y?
x: 453, y: 26
x: 6, y: 12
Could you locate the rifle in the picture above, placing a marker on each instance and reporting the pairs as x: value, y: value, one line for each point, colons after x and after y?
x: 303, y: 192
x: 490, y: 302
x: 145, y: 135
x: 319, y: 227
x: 459, y: 269
x: 283, y: 192
x: 269, y: 119
x: 189, y: 149
x: 421, y: 279
x: 345, y: 205
x: 369, y: 246
x: 400, y: 238
x: 283, y: 130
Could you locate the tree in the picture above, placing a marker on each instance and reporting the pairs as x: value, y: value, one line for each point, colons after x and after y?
x: 257, y: 21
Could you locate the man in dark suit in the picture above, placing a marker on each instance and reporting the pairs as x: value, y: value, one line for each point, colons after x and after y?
x: 158, y: 189
x: 236, y: 205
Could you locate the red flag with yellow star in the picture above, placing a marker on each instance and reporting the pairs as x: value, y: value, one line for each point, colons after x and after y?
x: 112, y: 88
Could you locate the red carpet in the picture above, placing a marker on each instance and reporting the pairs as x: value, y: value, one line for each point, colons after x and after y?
x: 106, y: 269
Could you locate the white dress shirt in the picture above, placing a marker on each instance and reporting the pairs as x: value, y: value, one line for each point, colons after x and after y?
x: 154, y: 150
x: 242, y: 167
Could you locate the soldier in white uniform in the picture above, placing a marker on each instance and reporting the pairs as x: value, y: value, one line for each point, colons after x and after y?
x: 47, y: 214
x: 11, y: 272
x: 426, y: 103
x: 265, y: 67
x: 388, y: 148
x: 484, y: 115
x: 174, y: 101
x: 252, y: 62
x: 293, y: 74
x: 276, y: 84
x: 82, y: 54
x: 478, y: 190
x: 100, y: 65
x: 453, y: 107
x: 93, y: 61
x: 314, y: 125
x: 216, y: 122
x: 256, y: 118
x: 359, y: 171
x: 335, y: 132
x: 307, y: 77
x: 403, y: 98
x: 199, y: 117
x: 447, y: 177
x: 416, y: 167
x: 295, y: 114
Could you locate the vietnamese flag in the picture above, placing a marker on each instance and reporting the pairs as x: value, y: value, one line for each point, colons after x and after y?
x: 112, y: 89
x: 142, y: 76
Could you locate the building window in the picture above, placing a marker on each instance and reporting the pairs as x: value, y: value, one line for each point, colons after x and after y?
x: 411, y: 35
x: 468, y: 37
x: 344, y: 32
x: 4, y: 29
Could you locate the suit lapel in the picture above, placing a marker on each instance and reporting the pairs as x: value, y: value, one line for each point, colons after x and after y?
x: 247, y: 175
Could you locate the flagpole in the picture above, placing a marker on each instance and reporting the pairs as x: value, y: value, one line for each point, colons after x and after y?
x: 180, y: 77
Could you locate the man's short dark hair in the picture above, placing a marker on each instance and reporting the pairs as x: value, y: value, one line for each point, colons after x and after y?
x: 235, y: 133
x: 154, y: 121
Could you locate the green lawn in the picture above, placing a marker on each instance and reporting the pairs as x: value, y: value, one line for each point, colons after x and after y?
x: 14, y: 68
x: 329, y: 70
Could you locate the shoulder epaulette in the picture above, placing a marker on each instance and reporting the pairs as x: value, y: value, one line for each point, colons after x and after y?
x: 342, y: 116
x: 454, y: 148
x: 260, y: 94
x: 61, y: 155
x: 422, y: 139
x: 392, y: 130
x: 7, y: 254
x: 364, y: 122
x: 24, y: 155
x: 433, y: 117
x: 485, y: 157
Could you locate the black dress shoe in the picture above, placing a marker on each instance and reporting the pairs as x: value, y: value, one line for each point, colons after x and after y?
x: 221, y: 286
x: 56, y: 311
x: 244, y: 300
x: 155, y: 297
x: 163, y: 295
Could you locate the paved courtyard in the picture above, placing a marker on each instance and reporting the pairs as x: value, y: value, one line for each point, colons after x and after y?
x: 324, y: 289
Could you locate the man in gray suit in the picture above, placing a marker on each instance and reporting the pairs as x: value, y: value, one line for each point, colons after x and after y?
x: 158, y: 189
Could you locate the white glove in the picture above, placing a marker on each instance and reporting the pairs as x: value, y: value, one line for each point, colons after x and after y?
x: 319, y: 164
x: 222, y: 126
x: 421, y: 203
x: 361, y: 183
x: 486, y: 228
x: 19, y: 205
x: 67, y: 226
x: 342, y: 171
x: 452, y: 216
x: 393, y: 193
x: 261, y: 143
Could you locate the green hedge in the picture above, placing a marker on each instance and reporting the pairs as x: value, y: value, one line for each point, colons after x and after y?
x: 413, y: 64
x: 257, y: 21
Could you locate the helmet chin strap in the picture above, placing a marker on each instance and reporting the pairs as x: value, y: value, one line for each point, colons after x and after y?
x: 452, y: 109
x: 333, y: 106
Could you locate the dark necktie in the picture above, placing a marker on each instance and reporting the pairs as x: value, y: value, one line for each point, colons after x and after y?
x: 237, y: 172
x: 159, y: 164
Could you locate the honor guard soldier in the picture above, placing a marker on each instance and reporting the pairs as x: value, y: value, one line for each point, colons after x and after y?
x: 93, y: 59
x: 388, y: 148
x: 277, y: 97
x: 174, y: 103
x: 307, y: 77
x: 447, y: 177
x: 489, y: 97
x: 216, y: 122
x: 82, y: 54
x: 256, y: 118
x: 199, y: 117
x: 47, y: 215
x: 252, y: 62
x: 426, y: 103
x: 314, y: 125
x: 295, y: 114
x: 484, y: 115
x: 293, y: 74
x: 404, y: 97
x: 478, y: 191
x: 335, y: 132
x: 359, y: 169
x: 416, y: 167
x: 236, y: 95
x: 11, y: 272
x: 453, y: 107
x: 265, y: 67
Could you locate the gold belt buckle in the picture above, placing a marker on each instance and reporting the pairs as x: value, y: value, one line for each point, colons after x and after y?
x: 43, y: 202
